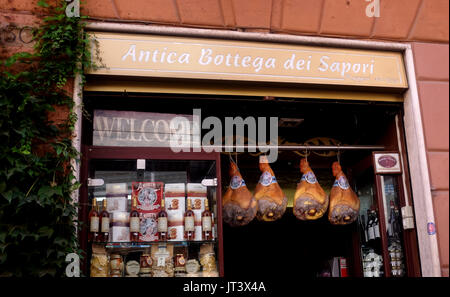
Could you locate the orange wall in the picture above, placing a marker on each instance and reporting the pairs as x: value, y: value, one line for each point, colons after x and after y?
x: 424, y: 23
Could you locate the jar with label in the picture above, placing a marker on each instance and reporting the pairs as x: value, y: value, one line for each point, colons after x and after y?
x: 146, y: 263
x: 116, y: 265
x: 180, y: 265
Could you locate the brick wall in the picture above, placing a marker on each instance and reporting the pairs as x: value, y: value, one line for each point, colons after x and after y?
x: 424, y: 23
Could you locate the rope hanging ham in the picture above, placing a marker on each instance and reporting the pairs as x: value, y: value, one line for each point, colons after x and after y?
x: 344, y: 204
x: 310, y: 200
x: 239, y: 205
x: 271, y: 199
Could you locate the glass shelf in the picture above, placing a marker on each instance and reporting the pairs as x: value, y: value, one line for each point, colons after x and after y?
x: 140, y: 245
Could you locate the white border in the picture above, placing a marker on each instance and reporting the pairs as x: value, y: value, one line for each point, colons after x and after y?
x: 417, y: 157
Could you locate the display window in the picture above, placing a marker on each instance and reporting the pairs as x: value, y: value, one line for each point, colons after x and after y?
x: 323, y: 208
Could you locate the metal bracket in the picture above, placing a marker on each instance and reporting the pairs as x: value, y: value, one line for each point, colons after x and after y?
x: 408, y: 217
x: 209, y: 182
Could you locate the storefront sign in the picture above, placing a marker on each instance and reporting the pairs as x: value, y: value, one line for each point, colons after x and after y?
x: 196, y: 58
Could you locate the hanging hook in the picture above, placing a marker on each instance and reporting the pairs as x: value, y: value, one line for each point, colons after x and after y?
x: 307, y: 153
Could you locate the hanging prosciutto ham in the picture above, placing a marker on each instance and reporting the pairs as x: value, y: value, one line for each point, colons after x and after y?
x: 344, y: 204
x: 310, y: 200
x: 271, y: 199
x: 239, y: 205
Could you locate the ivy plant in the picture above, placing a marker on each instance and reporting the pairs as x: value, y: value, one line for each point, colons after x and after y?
x: 37, y: 213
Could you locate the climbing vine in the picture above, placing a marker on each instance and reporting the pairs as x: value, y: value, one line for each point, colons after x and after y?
x: 37, y: 213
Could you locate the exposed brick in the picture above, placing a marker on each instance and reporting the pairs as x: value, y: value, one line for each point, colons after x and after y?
x: 148, y: 10
x: 438, y: 165
x: 201, y: 12
x: 346, y: 17
x: 434, y: 100
x: 252, y: 13
x: 99, y: 9
x: 431, y: 61
x: 302, y: 15
x: 432, y: 21
x: 441, y: 213
x: 396, y: 18
x: 20, y: 5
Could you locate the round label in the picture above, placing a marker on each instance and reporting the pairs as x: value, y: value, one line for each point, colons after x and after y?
x: 236, y: 182
x: 310, y: 177
x: 105, y: 225
x: 343, y: 183
x: 162, y: 224
x: 134, y: 224
x: 387, y: 161
x: 94, y: 224
x: 189, y: 224
x: 266, y: 179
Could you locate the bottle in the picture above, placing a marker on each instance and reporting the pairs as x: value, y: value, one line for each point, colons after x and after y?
x: 370, y: 231
x: 376, y: 224
x: 94, y: 222
x: 206, y: 223
x: 189, y: 230
x: 104, y: 222
x: 162, y: 222
x: 135, y: 223
x: 362, y: 225
x: 397, y: 225
x: 391, y: 229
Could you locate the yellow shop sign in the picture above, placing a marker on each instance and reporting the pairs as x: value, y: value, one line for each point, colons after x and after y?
x: 197, y: 58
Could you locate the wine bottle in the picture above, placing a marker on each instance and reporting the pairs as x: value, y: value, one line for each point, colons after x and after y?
x: 104, y: 217
x: 135, y: 223
x: 189, y: 227
x: 94, y: 222
x: 206, y: 223
x: 162, y: 222
x: 391, y: 229
x: 376, y: 224
x: 362, y: 224
x: 370, y: 230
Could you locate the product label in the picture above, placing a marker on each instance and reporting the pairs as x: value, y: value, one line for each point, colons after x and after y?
x: 105, y: 225
x: 189, y: 224
x: 161, y: 261
x: 342, y: 183
x: 134, y: 224
x: 94, y: 224
x: 267, y: 179
x: 236, y: 182
x: 206, y: 223
x: 162, y: 224
x: 309, y: 177
x: 371, y: 233
x: 377, y: 231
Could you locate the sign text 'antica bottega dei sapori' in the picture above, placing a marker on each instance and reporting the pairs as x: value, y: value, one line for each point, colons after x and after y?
x: 181, y: 57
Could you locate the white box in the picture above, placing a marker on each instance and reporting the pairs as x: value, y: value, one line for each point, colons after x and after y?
x: 117, y: 204
x: 117, y: 188
x: 179, y: 189
x: 195, y: 188
x: 175, y: 233
x: 119, y: 234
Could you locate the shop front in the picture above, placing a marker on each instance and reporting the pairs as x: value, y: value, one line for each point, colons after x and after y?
x: 182, y: 190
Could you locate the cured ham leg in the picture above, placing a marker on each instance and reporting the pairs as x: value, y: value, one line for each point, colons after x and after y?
x: 271, y: 199
x: 344, y: 204
x: 310, y: 200
x: 239, y: 205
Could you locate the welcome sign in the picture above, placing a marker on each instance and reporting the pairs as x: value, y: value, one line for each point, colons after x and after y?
x: 182, y: 57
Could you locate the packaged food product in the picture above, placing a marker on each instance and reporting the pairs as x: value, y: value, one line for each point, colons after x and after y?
x: 99, y: 262
x: 162, y: 257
